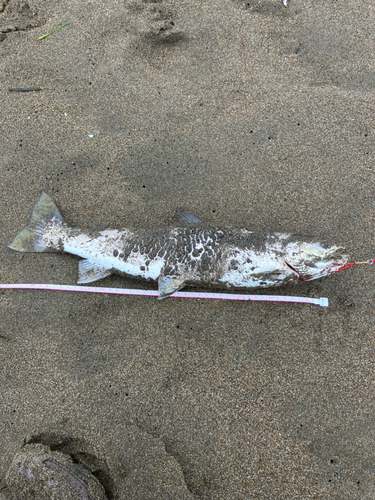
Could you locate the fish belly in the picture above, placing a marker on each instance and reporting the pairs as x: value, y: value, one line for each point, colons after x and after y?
x: 106, y: 250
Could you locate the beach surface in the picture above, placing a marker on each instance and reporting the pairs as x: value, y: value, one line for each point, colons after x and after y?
x: 246, y: 113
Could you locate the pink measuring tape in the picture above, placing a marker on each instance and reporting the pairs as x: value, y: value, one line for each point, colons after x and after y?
x: 322, y: 301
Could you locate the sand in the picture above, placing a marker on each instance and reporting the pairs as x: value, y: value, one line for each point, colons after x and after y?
x: 245, y: 113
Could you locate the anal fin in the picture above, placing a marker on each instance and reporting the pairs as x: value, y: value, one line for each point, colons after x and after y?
x: 89, y: 271
x: 169, y: 285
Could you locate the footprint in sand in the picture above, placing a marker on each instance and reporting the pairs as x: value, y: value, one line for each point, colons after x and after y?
x: 155, y: 21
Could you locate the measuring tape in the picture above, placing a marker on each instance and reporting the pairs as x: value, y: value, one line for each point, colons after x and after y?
x: 322, y: 301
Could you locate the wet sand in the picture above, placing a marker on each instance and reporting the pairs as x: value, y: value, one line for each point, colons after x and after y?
x: 245, y: 113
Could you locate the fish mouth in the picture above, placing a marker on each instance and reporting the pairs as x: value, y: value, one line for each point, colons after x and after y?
x: 315, y: 261
x: 318, y: 251
x: 318, y: 256
x: 328, y: 267
x: 313, y: 272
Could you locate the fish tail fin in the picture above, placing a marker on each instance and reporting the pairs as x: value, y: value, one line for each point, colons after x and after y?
x: 29, y: 238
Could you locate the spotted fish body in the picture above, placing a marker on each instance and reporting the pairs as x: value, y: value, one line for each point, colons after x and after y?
x: 189, y: 253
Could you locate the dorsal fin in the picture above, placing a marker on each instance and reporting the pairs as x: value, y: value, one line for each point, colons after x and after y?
x: 183, y: 218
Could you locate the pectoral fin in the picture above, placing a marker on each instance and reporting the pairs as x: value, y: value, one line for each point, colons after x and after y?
x: 169, y: 285
x: 89, y: 271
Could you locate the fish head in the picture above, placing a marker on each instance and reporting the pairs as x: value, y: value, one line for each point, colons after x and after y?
x: 313, y: 260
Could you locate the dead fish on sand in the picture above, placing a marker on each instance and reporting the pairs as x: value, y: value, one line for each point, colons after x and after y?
x: 187, y: 254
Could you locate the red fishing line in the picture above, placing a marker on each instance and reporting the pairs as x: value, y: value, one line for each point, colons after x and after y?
x: 354, y: 264
x: 345, y: 266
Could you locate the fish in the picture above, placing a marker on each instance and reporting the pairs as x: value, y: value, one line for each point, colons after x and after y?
x: 189, y: 252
